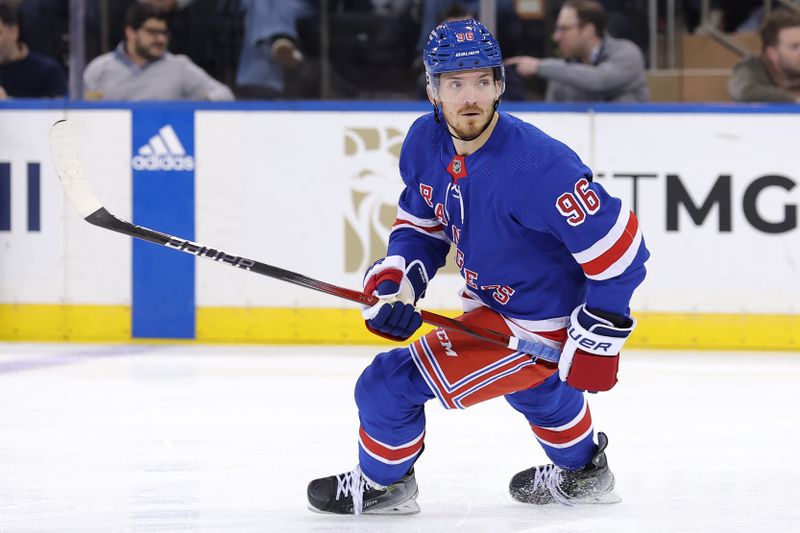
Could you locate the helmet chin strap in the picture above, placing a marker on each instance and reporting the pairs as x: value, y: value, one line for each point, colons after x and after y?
x: 441, y: 120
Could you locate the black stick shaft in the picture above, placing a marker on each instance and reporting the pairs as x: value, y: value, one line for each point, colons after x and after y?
x: 104, y: 219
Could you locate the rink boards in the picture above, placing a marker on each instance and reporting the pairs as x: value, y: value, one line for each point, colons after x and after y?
x: 312, y: 188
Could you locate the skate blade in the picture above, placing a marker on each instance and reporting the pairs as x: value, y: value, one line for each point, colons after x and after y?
x: 408, y: 507
x: 405, y: 508
x: 605, y: 499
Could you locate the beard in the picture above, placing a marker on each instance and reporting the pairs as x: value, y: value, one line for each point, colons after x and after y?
x: 150, y: 53
x: 466, y: 127
x: 790, y: 72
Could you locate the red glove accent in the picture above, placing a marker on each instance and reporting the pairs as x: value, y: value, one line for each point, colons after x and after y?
x: 593, y: 373
x: 390, y: 274
x: 393, y: 316
x: 590, y: 356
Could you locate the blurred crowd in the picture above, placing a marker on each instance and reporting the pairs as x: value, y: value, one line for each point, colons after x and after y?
x: 555, y: 50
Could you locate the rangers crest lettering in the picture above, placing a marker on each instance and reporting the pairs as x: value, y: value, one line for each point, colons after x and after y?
x: 529, y: 231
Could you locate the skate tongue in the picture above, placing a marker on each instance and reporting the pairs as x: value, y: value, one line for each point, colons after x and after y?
x: 599, y: 458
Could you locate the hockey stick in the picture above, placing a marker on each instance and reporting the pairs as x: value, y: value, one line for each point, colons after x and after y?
x: 64, y: 148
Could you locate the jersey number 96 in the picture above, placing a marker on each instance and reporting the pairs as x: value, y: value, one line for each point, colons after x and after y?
x: 579, y: 203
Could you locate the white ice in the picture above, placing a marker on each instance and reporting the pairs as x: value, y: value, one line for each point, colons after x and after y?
x: 97, y: 438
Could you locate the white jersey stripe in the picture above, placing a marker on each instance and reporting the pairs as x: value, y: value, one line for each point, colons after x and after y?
x: 441, y: 235
x: 619, y: 266
x: 423, y: 222
x: 601, y: 246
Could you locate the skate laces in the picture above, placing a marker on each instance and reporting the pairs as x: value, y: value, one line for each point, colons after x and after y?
x: 549, y: 477
x: 352, y: 484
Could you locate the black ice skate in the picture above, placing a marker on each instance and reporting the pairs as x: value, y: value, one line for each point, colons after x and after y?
x: 594, y: 483
x: 352, y: 493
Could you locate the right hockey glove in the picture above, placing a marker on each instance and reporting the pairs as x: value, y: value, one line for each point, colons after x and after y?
x: 395, y: 316
x: 590, y: 357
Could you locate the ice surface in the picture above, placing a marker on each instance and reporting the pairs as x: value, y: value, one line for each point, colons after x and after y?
x: 97, y: 438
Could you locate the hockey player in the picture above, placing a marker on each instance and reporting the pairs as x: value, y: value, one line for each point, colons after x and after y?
x: 546, y: 254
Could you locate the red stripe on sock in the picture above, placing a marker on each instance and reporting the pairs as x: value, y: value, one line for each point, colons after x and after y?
x: 394, y: 453
x: 565, y: 435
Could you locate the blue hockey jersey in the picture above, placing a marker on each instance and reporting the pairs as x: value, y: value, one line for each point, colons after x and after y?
x: 534, y: 235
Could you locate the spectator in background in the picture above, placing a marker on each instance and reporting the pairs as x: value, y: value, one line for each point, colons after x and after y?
x: 282, y: 52
x: 45, y: 26
x: 270, y: 45
x: 141, y: 68
x: 25, y: 74
x: 209, y: 32
x: 774, y: 76
x: 594, y: 67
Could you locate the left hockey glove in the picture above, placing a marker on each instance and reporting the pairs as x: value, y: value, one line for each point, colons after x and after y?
x: 398, y: 288
x: 590, y: 357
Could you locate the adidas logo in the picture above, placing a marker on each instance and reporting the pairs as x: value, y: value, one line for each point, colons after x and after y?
x: 163, y: 151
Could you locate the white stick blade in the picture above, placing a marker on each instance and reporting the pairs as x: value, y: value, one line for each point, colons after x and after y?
x: 64, y: 149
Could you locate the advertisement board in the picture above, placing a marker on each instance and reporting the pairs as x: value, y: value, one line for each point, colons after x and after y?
x: 314, y: 191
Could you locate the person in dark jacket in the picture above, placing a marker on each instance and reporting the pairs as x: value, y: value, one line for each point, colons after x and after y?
x: 773, y: 76
x: 25, y: 74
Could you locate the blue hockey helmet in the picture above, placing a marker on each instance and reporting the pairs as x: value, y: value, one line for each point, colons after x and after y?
x: 461, y: 45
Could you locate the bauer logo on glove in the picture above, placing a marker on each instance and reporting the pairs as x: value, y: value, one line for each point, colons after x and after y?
x: 590, y: 357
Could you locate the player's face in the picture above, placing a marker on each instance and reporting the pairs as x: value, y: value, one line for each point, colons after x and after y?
x: 467, y: 99
x: 788, y: 52
x: 150, y: 40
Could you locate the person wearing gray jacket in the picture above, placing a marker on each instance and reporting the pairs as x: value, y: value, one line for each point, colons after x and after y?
x: 141, y: 68
x: 592, y: 68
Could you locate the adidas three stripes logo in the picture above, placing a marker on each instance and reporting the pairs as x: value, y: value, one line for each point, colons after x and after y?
x: 163, y: 151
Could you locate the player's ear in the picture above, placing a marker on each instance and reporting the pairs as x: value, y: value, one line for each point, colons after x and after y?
x: 429, y: 92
